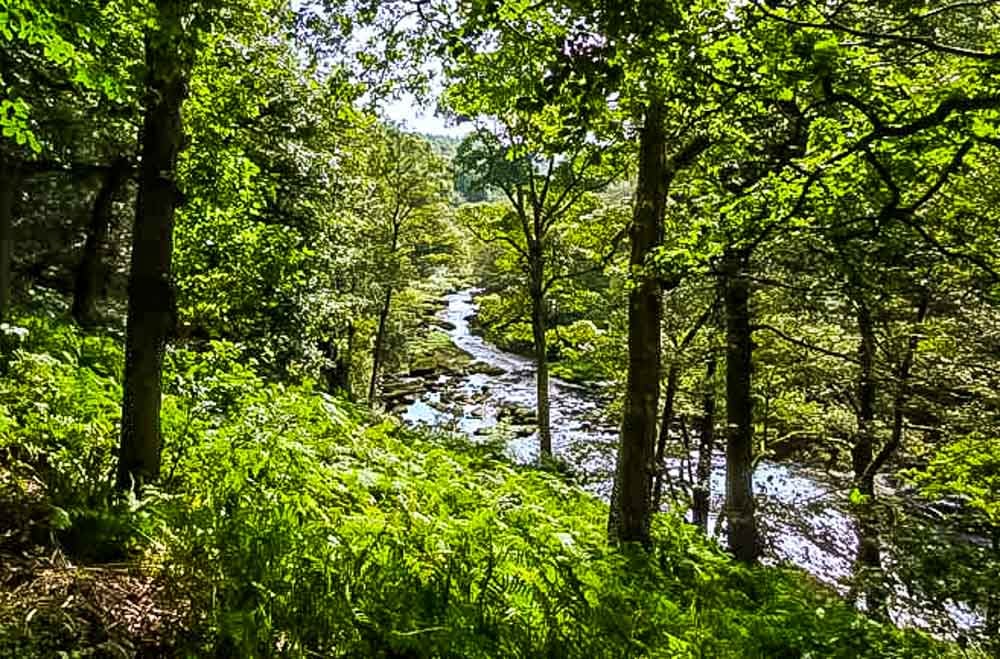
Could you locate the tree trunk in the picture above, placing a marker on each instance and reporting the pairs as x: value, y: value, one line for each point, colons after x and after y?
x: 666, y: 419
x: 151, y: 303
x: 864, y: 445
x: 740, y: 517
x: 538, y: 327
x: 869, y: 557
x: 90, y: 272
x: 383, y: 318
x: 383, y: 322
x: 902, y: 389
x: 631, y: 513
x: 865, y: 465
x: 349, y: 362
x: 673, y: 376
x: 337, y: 371
x: 9, y: 185
x: 992, y: 622
x: 701, y: 492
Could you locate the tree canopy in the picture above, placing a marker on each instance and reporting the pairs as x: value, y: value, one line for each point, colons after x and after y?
x: 688, y: 346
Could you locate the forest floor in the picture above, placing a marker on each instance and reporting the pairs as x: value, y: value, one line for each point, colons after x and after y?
x: 117, y: 609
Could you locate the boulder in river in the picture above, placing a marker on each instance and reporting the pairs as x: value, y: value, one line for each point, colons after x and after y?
x: 444, y: 324
x: 423, y: 369
x: 402, y: 390
x: 485, y: 369
x: 518, y: 415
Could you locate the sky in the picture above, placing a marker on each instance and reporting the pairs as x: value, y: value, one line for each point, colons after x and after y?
x: 408, y: 112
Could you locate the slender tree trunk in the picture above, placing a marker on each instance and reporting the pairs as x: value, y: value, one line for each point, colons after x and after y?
x: 869, y: 557
x: 337, y: 372
x: 686, y: 466
x: 90, y: 273
x: 151, y: 302
x: 865, y: 463
x: 864, y: 445
x: 667, y: 418
x: 631, y: 512
x: 992, y: 621
x: 701, y: 493
x: 383, y: 318
x: 744, y: 541
x: 348, y: 362
x: 383, y: 322
x: 673, y: 376
x: 9, y: 185
x: 538, y: 327
x: 901, y: 396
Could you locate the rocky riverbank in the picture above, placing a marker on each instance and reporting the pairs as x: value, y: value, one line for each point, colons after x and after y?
x: 459, y: 382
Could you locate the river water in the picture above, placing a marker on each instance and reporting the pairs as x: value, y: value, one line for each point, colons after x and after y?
x: 803, y: 512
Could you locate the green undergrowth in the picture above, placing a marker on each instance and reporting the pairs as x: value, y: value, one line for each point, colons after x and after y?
x: 289, y: 523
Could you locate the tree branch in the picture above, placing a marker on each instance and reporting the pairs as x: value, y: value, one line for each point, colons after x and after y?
x: 832, y: 25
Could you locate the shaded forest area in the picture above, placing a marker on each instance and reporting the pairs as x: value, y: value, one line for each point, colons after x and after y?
x: 759, y: 234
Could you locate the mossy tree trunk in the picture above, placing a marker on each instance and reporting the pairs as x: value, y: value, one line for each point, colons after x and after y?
x: 631, y: 512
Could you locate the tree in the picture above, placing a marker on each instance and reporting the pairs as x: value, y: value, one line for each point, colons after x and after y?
x: 90, y: 272
x: 632, y: 510
x: 641, y: 26
x: 63, y: 71
x: 547, y: 202
x: 410, y: 187
x: 529, y: 146
x: 151, y: 297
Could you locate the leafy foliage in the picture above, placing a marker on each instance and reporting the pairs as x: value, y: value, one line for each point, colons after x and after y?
x: 294, y: 523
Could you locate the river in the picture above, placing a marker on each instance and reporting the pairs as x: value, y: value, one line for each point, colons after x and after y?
x: 803, y: 512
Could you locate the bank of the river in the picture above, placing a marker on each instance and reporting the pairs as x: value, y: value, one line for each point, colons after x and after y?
x: 486, y: 393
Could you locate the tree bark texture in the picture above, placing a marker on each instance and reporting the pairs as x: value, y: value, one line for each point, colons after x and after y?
x: 151, y: 303
x: 538, y: 328
x: 744, y: 541
x: 701, y: 492
x: 379, y: 350
x: 631, y: 515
